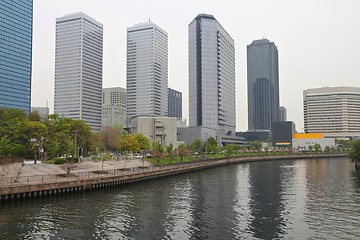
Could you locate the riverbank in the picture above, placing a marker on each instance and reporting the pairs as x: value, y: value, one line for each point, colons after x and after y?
x: 90, y: 175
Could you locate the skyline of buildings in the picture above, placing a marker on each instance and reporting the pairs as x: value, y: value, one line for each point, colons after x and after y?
x: 263, y: 88
x: 16, y: 54
x: 78, y: 68
x: 262, y: 84
x: 147, y: 70
x: 211, y: 76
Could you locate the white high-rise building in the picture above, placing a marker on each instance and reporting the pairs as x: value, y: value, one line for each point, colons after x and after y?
x: 147, y: 70
x: 211, y: 76
x: 78, y: 69
x: 114, y: 107
x: 333, y: 111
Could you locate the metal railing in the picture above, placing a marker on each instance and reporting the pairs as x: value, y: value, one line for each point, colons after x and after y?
x: 150, y: 170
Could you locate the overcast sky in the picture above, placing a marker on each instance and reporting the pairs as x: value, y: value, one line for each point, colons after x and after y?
x: 318, y: 42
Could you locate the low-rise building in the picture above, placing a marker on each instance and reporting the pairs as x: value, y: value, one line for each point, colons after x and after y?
x: 162, y: 130
x: 302, y: 141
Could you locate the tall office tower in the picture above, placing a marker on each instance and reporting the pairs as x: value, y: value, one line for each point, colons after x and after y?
x: 78, y: 69
x: 174, y: 104
x: 262, y: 84
x: 15, y: 54
x: 211, y: 75
x: 114, y: 107
x: 333, y: 111
x: 147, y: 70
x: 283, y: 114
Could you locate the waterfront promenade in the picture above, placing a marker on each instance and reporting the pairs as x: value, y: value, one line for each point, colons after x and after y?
x: 43, y: 179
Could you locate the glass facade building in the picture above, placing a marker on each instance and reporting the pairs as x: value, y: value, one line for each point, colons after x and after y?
x: 147, y: 70
x: 262, y: 84
x: 174, y: 104
x: 78, y: 69
x: 15, y: 53
x: 211, y: 76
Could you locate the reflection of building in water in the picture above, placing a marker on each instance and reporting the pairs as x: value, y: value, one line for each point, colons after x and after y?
x: 265, y: 204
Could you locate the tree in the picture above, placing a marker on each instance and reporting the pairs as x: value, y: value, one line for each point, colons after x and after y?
x: 158, y: 156
x: 196, y: 145
x: 34, y: 116
x: 354, y: 154
x: 128, y: 144
x: 317, y: 147
x: 68, y: 167
x: 143, y: 141
x: 211, y: 145
x: 169, y: 148
x: 105, y: 157
x: 111, y: 136
x: 183, y: 152
x: 310, y: 147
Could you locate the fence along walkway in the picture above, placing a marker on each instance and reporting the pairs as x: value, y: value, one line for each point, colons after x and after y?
x: 24, y: 184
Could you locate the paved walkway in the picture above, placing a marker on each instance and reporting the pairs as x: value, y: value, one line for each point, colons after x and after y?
x: 29, y: 169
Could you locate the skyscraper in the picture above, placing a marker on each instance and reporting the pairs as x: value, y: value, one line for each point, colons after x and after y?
x: 174, y: 103
x: 211, y: 75
x: 147, y: 70
x: 78, y: 68
x: 262, y: 84
x: 15, y: 53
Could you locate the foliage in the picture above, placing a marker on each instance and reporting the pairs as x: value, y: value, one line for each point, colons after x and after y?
x: 183, y: 152
x: 105, y: 157
x: 169, y: 148
x: 211, y: 145
x: 158, y: 156
x: 157, y: 147
x: 128, y: 144
x: 255, y: 145
x: 143, y: 141
x: 317, y: 147
x: 196, y: 145
x: 24, y: 135
x: 354, y: 154
x: 343, y: 144
x: 110, y: 136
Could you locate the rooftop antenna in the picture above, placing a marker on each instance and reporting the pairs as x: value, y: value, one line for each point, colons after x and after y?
x: 47, y: 105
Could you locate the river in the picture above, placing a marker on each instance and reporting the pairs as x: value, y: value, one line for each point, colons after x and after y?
x: 291, y: 199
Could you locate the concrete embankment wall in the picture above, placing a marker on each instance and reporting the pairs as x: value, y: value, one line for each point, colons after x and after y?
x: 85, y: 182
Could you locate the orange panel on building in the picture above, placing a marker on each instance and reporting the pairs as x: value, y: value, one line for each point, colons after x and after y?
x: 307, y: 135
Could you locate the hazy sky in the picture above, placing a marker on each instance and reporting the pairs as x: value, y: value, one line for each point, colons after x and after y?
x: 318, y: 42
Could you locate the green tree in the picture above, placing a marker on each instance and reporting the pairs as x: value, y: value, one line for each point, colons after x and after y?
x: 211, y: 145
x: 354, y: 154
x: 128, y: 144
x: 310, y: 147
x: 169, y: 148
x: 143, y: 141
x: 196, y: 145
x: 157, y: 147
x: 317, y: 147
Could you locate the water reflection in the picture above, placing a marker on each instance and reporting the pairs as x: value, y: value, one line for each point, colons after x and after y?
x: 304, y: 199
x: 265, y: 201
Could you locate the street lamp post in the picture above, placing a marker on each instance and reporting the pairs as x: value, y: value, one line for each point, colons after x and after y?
x: 205, y: 144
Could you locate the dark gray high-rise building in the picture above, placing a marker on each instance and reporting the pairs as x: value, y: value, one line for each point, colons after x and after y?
x: 263, y: 84
x: 211, y: 75
x: 174, y: 103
